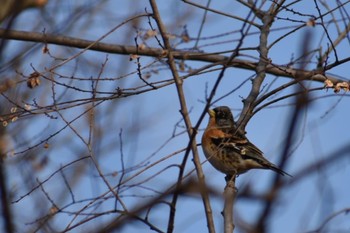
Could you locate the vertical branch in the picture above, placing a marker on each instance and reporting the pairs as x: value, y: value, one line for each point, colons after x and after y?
x: 121, y: 162
x: 202, y: 24
x: 5, y: 210
x: 267, y: 19
x: 5, y: 207
x: 190, y: 131
x: 230, y: 196
x: 301, y: 103
x: 326, y: 31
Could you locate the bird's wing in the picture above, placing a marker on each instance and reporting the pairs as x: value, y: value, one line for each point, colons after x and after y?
x: 240, y: 144
x: 235, y: 142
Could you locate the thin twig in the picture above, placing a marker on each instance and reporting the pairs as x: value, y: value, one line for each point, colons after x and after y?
x: 185, y: 115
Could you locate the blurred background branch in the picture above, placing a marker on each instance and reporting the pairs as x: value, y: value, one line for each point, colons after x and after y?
x: 101, y: 103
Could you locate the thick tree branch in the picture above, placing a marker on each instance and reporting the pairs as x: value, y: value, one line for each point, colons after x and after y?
x: 271, y: 68
x: 267, y: 19
x: 230, y: 197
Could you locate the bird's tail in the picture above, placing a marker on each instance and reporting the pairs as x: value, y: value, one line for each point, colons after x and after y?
x: 278, y: 170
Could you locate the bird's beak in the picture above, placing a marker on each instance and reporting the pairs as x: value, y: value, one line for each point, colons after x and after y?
x: 211, y: 113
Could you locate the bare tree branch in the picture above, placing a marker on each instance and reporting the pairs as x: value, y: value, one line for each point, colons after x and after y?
x: 185, y: 115
x: 158, y: 53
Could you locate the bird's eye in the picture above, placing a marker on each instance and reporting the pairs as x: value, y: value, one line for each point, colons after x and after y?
x: 223, y: 122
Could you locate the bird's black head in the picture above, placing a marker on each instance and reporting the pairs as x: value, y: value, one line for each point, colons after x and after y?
x: 223, y: 116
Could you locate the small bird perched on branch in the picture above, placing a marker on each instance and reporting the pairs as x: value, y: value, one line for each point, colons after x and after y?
x: 228, y: 150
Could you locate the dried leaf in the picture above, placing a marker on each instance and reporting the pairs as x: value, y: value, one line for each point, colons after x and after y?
x: 328, y: 83
x: 133, y: 57
x: 311, y: 22
x: 142, y: 46
x: 13, y: 119
x: 342, y: 85
x: 33, y: 80
x: 27, y: 107
x: 149, y: 33
x: 6, y: 85
x: 13, y: 109
x: 53, y: 210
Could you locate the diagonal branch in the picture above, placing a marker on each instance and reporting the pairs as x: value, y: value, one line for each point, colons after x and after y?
x: 261, y: 67
x: 185, y: 115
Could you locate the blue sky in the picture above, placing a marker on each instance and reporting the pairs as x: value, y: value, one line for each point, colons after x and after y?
x: 148, y: 120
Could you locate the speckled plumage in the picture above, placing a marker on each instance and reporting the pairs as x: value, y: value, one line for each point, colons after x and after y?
x: 229, y: 151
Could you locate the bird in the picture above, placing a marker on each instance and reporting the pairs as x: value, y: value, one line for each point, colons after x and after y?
x: 228, y: 150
